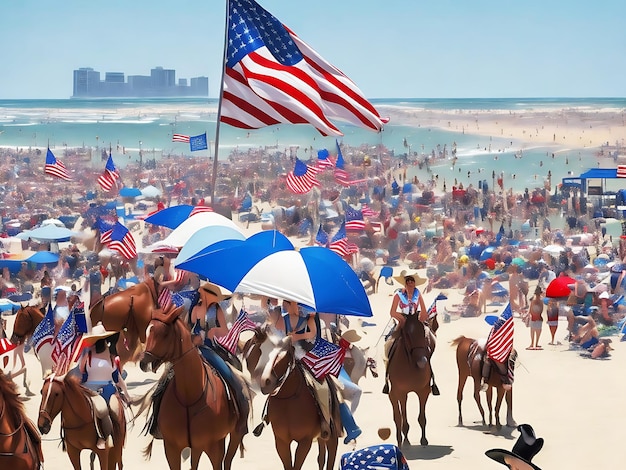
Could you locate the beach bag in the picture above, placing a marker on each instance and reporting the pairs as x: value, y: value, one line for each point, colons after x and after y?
x: 382, y: 456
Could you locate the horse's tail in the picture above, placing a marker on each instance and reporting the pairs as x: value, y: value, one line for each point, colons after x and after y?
x: 458, y: 340
x: 147, y: 451
x: 242, y: 449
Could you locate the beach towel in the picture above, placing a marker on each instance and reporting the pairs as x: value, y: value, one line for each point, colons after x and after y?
x: 382, y: 456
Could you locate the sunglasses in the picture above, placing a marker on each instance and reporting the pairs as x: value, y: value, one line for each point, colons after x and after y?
x: 409, y: 279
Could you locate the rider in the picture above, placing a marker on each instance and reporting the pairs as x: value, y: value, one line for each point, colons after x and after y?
x: 101, y: 372
x: 209, y: 321
x: 409, y: 301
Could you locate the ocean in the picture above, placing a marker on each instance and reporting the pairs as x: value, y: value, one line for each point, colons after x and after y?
x: 131, y: 125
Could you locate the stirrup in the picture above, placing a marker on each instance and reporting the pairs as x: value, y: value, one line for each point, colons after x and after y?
x: 258, y: 430
x: 435, y: 390
x: 386, y: 388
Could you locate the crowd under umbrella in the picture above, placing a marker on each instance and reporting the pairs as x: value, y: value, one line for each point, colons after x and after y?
x: 314, y: 277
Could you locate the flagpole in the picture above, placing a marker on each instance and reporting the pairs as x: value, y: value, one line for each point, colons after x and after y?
x: 219, y: 108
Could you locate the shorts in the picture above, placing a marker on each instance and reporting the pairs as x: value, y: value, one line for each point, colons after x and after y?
x: 536, y: 325
x: 553, y: 323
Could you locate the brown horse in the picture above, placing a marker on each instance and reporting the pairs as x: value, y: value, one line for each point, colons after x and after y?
x: 292, y: 409
x: 469, y: 362
x: 20, y: 443
x: 195, y: 410
x: 128, y: 312
x: 26, y: 321
x: 406, y: 376
x: 65, y: 395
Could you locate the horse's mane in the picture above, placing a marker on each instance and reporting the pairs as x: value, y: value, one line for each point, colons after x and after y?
x: 8, y: 389
x: 73, y: 385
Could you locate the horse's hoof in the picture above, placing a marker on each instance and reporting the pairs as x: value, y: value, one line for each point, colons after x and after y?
x: 511, y: 424
x: 424, y: 441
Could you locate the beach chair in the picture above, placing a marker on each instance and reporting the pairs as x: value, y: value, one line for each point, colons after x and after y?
x: 387, y: 273
x: 381, y: 456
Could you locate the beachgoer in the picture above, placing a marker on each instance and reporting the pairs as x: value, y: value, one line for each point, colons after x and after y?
x: 553, y: 319
x: 61, y: 306
x: 524, y: 450
x: 536, y: 320
x: 46, y: 288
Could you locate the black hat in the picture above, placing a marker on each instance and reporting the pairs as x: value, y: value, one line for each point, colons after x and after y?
x: 526, y: 447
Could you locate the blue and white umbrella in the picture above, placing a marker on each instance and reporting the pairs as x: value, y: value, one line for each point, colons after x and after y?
x: 170, y: 217
x: 204, y: 238
x: 315, y: 277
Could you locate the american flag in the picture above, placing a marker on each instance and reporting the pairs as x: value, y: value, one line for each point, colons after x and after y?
x: 180, y: 138
x: 55, y: 167
x: 340, y: 245
x: 432, y: 310
x: 44, y: 333
x: 200, y: 210
x: 272, y: 77
x: 110, y: 175
x: 500, y: 341
x: 341, y: 175
x: 230, y: 341
x: 165, y: 298
x: 302, y: 179
x: 323, y: 160
x: 67, y: 338
x: 621, y: 171
x: 354, y: 219
x: 381, y: 456
x: 326, y: 358
x: 121, y: 240
x: 367, y: 211
x: 322, y: 237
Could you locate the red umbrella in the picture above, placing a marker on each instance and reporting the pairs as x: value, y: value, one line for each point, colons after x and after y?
x: 559, y: 287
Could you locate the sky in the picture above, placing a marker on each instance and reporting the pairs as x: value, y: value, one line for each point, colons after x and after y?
x: 390, y: 49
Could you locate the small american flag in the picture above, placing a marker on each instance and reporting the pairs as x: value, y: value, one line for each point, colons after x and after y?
x: 621, y: 171
x: 340, y: 245
x: 341, y: 175
x: 230, y: 341
x: 500, y: 341
x: 180, y: 138
x: 121, y: 240
x: 165, y: 298
x: 354, y: 219
x: 67, y: 338
x: 110, y: 175
x: 326, y: 358
x: 200, y: 210
x: 323, y: 160
x: 432, y: 310
x: 367, y: 211
x: 55, y: 167
x: 44, y: 333
x: 302, y: 179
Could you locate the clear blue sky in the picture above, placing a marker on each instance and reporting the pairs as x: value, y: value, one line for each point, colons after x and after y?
x: 391, y: 49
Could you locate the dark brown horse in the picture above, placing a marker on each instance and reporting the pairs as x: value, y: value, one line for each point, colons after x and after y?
x: 26, y: 321
x: 292, y: 409
x: 129, y: 312
x: 406, y: 376
x: 469, y: 361
x: 65, y: 395
x: 20, y: 443
x: 195, y: 410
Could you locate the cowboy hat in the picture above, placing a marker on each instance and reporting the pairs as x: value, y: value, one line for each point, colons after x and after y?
x: 526, y: 447
x: 214, y: 289
x: 98, y: 332
x: 351, y: 336
x: 406, y: 273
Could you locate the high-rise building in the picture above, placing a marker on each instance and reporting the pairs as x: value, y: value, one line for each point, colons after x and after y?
x: 86, y: 82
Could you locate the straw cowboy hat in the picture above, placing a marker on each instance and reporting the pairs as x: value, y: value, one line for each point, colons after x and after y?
x: 526, y: 447
x: 406, y: 273
x: 351, y: 336
x: 98, y: 332
x: 214, y: 289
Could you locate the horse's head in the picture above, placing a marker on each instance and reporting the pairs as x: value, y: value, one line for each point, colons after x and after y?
x: 254, y: 353
x: 52, y: 397
x: 415, y: 342
x: 280, y: 362
x: 165, y: 336
x: 26, y: 320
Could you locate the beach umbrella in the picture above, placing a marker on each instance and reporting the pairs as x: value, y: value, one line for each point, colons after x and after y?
x: 56, y: 222
x: 127, y: 191
x: 170, y: 217
x: 553, y: 250
x: 44, y: 257
x: 206, y: 237
x: 151, y: 191
x: 48, y: 233
x: 486, y: 253
x: 559, y: 287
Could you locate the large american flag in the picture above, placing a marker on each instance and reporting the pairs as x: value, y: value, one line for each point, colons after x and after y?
x: 354, y: 219
x: 44, y: 332
x: 55, y: 167
x: 273, y: 77
x: 230, y: 341
x: 323, y: 160
x: 621, y: 171
x: 500, y: 340
x: 121, y: 240
x: 380, y: 457
x: 326, y: 358
x: 180, y: 138
x: 110, y: 175
x: 302, y: 179
x: 341, y: 175
x: 64, y: 343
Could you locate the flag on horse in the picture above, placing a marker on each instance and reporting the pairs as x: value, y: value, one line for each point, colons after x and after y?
x: 44, y: 333
x: 500, y: 340
x: 66, y: 339
x: 326, y: 358
x: 230, y: 341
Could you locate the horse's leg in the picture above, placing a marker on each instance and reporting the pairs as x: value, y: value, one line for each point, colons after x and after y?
x: 284, y: 452
x: 397, y: 417
x: 479, y: 402
x: 233, y: 444
x: 215, y: 450
x: 321, y: 453
x: 195, y: 457
x: 103, y: 458
x: 331, y: 452
x: 423, y: 396
x: 459, y: 395
x: 74, y: 454
x: 302, y: 450
x: 510, y: 421
x: 489, y: 400
x: 172, y: 454
x: 499, y: 397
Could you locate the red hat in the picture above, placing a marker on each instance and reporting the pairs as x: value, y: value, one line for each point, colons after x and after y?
x: 6, y: 346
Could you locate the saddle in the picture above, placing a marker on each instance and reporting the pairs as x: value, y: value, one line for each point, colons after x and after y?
x: 34, y: 436
x: 101, y: 413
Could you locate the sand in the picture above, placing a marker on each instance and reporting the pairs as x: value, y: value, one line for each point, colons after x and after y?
x: 572, y: 402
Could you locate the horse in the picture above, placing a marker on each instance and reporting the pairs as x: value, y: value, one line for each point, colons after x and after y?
x: 65, y: 395
x: 20, y: 443
x: 27, y: 319
x: 469, y: 363
x: 406, y: 376
x: 128, y: 311
x: 195, y: 410
x: 291, y: 408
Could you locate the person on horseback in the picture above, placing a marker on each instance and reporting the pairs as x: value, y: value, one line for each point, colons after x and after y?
x: 101, y: 372
x: 408, y: 301
x: 209, y: 321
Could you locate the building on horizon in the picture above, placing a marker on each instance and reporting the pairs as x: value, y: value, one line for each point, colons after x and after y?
x: 161, y: 83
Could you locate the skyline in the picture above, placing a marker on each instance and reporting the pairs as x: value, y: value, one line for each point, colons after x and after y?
x: 451, y: 49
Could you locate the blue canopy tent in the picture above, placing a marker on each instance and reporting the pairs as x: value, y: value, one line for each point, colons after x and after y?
x: 48, y: 233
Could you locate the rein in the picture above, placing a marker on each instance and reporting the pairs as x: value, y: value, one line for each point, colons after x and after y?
x: 281, y: 380
x: 19, y: 427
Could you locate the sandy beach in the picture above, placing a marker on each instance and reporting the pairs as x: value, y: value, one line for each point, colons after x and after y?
x: 572, y: 402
